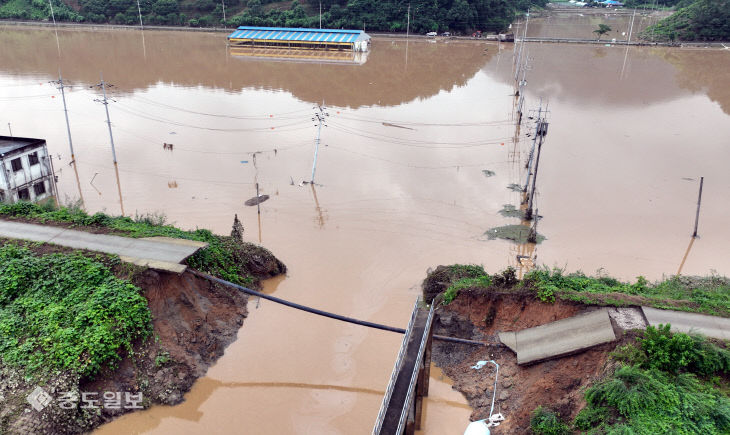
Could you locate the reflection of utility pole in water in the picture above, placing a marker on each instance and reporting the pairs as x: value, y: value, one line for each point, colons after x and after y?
x: 55, y: 28
x: 78, y: 183
x: 105, y: 102
x: 626, y: 55
x: 686, y: 254
x: 320, y: 215
x: 141, y: 27
x: 119, y: 188
x: 519, y: 55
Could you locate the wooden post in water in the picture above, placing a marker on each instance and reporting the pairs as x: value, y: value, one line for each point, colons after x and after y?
x: 699, y: 201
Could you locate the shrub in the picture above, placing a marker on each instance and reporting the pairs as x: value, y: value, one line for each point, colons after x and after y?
x: 546, y: 422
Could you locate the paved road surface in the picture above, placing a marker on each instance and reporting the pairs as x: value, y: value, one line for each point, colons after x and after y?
x: 711, y: 326
x: 156, y: 252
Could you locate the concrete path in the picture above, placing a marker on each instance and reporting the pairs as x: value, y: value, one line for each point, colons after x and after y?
x: 155, y: 252
x: 561, y: 337
x: 690, y: 323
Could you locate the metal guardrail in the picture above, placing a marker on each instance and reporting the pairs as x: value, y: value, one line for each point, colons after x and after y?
x: 414, y: 376
x: 396, y: 369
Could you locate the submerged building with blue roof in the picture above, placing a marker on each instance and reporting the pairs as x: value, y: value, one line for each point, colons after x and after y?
x: 299, y: 38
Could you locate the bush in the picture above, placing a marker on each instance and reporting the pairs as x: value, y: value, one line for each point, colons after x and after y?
x: 674, y: 352
x: 546, y: 422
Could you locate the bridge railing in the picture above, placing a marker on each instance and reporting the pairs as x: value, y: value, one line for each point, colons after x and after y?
x: 396, y: 370
x: 409, y: 402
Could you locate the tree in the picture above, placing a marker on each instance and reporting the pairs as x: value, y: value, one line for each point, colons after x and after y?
x: 602, y: 30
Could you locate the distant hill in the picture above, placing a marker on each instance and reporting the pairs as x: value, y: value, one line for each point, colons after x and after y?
x: 463, y: 16
x: 694, y: 20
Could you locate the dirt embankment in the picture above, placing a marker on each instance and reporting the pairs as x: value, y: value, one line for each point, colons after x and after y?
x: 194, y: 320
x: 559, y: 383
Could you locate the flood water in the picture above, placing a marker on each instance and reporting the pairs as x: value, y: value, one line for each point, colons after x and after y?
x: 400, y: 186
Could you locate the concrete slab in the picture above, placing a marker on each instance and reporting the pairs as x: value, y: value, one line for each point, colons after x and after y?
x: 509, y: 339
x: 183, y: 242
x: 157, y: 252
x: 564, y: 337
x: 159, y: 265
x: 690, y: 323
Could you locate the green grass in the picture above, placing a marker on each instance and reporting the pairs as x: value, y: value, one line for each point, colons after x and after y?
x: 224, y: 257
x: 65, y: 312
x: 709, y: 295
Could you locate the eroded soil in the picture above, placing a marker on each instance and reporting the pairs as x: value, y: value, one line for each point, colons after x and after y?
x: 558, y: 383
x: 194, y: 320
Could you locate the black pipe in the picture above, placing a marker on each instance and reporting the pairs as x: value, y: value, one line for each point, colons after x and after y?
x: 325, y: 313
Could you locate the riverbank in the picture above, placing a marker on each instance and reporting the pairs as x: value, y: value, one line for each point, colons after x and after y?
x: 381, y: 35
x: 101, y: 337
x: 557, y: 394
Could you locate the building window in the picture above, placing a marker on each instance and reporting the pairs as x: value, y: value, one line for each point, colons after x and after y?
x: 33, y: 159
x: 24, y: 195
x: 39, y: 189
x: 16, y: 164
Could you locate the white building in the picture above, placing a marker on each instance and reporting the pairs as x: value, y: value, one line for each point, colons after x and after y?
x: 26, y: 170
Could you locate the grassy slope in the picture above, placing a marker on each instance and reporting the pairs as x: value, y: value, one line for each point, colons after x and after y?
x: 701, y: 20
x: 708, y: 295
x: 66, y: 312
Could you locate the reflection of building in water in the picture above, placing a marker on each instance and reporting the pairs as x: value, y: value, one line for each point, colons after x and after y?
x: 299, y: 55
x: 304, y: 39
x: 26, y: 170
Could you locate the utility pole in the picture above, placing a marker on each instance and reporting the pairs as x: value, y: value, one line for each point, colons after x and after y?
x: 541, y: 132
x: 61, y: 86
x: 319, y: 116
x: 10, y: 130
x: 408, y: 25
x: 320, y: 15
x: 699, y: 201
x: 105, y: 102
x: 532, y: 151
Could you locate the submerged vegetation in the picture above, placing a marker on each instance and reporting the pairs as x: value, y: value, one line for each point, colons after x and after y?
x: 225, y: 257
x: 66, y: 312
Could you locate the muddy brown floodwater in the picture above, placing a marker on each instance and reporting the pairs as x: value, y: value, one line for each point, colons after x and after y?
x: 630, y: 133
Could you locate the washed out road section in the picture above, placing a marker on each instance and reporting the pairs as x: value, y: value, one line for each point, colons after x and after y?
x: 561, y: 337
x: 155, y: 252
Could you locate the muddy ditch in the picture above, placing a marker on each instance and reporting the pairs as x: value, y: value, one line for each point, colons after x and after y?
x: 559, y: 383
x: 194, y: 320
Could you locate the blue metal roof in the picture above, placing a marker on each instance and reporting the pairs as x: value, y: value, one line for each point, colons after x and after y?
x: 296, y: 34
